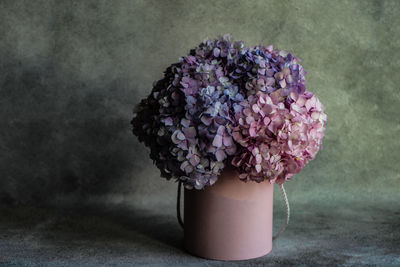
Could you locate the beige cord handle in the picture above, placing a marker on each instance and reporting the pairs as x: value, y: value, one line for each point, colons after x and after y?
x: 178, y: 205
x: 284, y: 197
x: 286, y: 222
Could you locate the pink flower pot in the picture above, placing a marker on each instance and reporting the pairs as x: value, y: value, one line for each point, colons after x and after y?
x: 231, y: 220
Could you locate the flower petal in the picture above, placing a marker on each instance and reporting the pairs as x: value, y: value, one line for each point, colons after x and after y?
x: 190, y: 132
x: 216, y: 52
x: 266, y: 121
x: 206, y: 120
x: 220, y: 155
x: 228, y: 140
x: 258, y: 167
x: 217, y: 142
x: 180, y: 136
x: 256, y: 108
x: 194, y: 160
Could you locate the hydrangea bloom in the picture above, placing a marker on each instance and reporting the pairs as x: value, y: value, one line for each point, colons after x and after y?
x: 278, y: 139
x: 227, y: 103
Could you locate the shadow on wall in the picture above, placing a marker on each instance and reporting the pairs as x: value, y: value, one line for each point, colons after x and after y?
x: 63, y: 138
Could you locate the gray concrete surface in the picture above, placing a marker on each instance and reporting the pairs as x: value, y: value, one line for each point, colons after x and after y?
x: 72, y: 71
x: 126, y: 235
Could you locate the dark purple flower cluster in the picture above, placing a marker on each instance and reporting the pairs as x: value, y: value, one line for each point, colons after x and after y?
x: 188, y: 120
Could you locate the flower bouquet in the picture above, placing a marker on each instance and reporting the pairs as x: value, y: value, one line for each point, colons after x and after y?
x: 223, y: 117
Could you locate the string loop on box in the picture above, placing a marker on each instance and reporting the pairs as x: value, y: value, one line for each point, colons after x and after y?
x: 286, y: 222
x: 178, y: 205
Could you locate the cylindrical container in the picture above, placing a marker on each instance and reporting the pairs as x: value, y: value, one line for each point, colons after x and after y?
x: 230, y: 220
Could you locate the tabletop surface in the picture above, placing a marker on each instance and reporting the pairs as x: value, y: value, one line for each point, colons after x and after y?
x: 126, y: 235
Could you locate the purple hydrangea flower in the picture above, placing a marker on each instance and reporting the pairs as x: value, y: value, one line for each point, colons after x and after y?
x: 203, y: 113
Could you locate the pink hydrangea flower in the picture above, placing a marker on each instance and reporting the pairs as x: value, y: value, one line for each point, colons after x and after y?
x: 277, y: 138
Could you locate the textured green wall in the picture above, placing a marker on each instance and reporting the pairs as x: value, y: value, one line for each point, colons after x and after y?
x: 71, y: 72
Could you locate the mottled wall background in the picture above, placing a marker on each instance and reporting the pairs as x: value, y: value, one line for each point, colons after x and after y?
x: 71, y: 72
